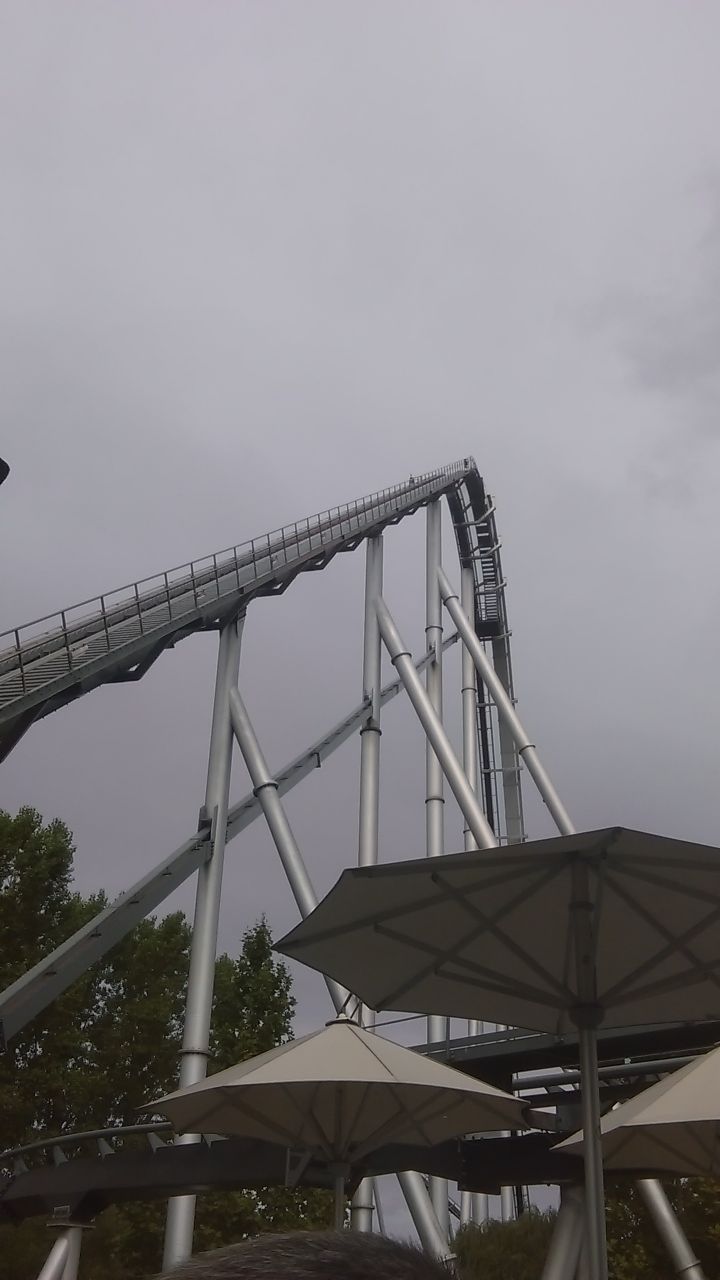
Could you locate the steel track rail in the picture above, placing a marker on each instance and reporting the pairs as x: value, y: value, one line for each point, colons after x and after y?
x: 117, y: 636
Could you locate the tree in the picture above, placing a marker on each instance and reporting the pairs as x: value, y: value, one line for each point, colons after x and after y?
x: 517, y: 1250
x: 111, y: 1042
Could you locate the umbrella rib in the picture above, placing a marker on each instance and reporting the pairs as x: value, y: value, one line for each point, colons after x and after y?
x: 495, y: 983
x: 326, y: 1142
x: 438, y: 958
x: 655, y: 1140
x: 636, y: 864
x: 384, y: 1131
x: 396, y: 912
x: 388, y: 999
x: 675, y: 943
x: 407, y: 908
x: 243, y: 1107
x: 688, y: 977
x: 358, y: 1112
x: 677, y: 886
x: 490, y: 925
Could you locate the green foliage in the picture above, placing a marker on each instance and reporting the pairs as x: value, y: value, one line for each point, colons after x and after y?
x: 634, y: 1250
x: 505, y: 1250
x: 517, y: 1250
x: 111, y: 1042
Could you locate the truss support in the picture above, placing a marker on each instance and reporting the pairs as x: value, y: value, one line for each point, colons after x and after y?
x: 473, y: 1205
x: 506, y: 711
x: 564, y: 1252
x: 430, y: 721
x: 469, y: 711
x: 54, y: 1264
x: 361, y: 1211
x: 266, y: 790
x: 412, y: 1185
x: 72, y: 1261
x: 198, y: 1006
x: 437, y: 1026
x: 668, y: 1228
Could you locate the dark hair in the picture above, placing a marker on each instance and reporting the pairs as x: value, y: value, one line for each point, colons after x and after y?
x: 314, y: 1255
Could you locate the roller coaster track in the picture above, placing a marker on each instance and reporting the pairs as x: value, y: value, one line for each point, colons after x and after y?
x: 119, y: 635
x: 116, y: 637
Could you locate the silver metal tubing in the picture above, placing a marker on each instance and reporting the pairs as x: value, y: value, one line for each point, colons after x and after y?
x: 266, y: 790
x: 469, y: 705
x: 370, y: 732
x: 507, y: 1198
x: 412, y: 1184
x: 72, y: 1261
x: 506, y: 711
x: 477, y: 1209
x: 594, y: 1189
x: 54, y: 1264
x: 437, y: 1027
x: 415, y: 1195
x: 423, y: 1216
x: 361, y: 1209
x: 451, y: 767
x: 666, y: 1224
x: 198, y: 1007
x: 566, y: 1243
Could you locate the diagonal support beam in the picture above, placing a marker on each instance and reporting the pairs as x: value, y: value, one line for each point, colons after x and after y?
x: 407, y: 670
x: 265, y: 788
x: 506, y: 710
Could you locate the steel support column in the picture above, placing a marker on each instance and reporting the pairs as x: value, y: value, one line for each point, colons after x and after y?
x: 473, y: 1205
x: 198, y: 1007
x: 668, y: 1228
x: 451, y: 767
x: 361, y: 1210
x: 412, y: 1185
x: 469, y: 711
x: 72, y: 1261
x: 506, y: 711
x: 54, y: 1264
x: 567, y: 1237
x: 437, y: 1026
x: 266, y: 789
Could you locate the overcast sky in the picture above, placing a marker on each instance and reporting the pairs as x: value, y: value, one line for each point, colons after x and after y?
x: 261, y: 257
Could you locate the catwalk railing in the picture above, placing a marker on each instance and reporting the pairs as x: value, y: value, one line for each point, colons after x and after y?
x: 118, y: 635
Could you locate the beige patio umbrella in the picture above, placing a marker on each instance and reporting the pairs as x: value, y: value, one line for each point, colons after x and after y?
x: 341, y: 1093
x: 674, y: 1126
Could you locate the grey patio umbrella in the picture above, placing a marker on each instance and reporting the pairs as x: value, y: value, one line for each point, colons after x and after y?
x: 673, y: 1127
x: 609, y: 926
x: 341, y: 1093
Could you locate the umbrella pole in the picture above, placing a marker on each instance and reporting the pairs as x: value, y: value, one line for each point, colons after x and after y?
x: 339, y: 1200
x: 592, y: 1150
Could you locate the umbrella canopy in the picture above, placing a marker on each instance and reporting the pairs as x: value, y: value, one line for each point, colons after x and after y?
x: 341, y: 1092
x: 610, y: 925
x: 672, y: 1126
x: 614, y: 925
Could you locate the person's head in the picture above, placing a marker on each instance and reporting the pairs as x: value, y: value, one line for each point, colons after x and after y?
x: 314, y: 1255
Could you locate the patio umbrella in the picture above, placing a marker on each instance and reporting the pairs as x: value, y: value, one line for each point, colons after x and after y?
x: 341, y: 1093
x: 607, y: 926
x: 674, y: 1126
